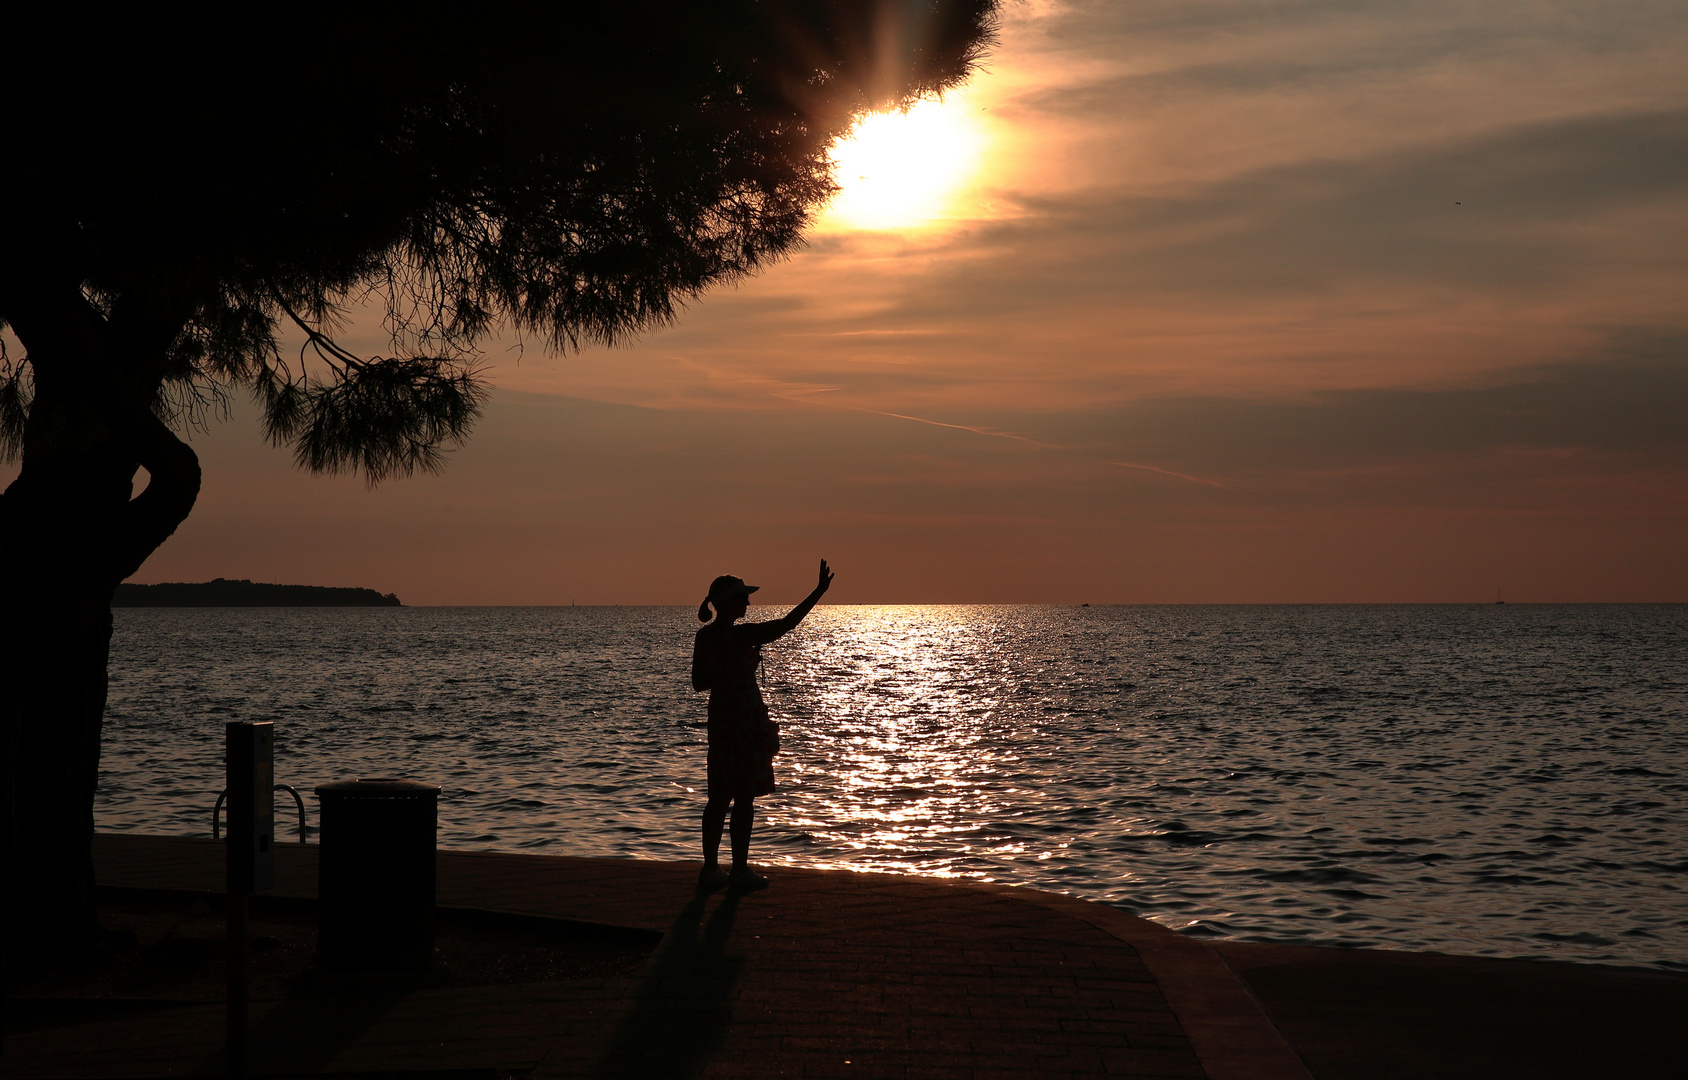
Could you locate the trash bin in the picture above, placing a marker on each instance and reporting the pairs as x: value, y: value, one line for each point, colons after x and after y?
x: 375, y: 878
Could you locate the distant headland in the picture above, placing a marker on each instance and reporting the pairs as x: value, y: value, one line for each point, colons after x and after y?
x: 221, y: 592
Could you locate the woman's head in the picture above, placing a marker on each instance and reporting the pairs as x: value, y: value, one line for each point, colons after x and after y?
x: 729, y: 596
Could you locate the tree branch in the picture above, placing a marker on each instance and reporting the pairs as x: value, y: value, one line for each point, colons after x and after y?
x: 151, y: 517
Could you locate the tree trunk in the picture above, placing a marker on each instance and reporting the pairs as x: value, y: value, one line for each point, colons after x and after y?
x: 69, y: 533
x: 54, y: 701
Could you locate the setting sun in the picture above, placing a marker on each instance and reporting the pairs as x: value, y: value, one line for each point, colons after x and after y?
x: 898, y: 170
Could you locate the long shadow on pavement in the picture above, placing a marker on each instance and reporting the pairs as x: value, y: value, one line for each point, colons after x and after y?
x: 306, y: 1030
x: 682, y: 1009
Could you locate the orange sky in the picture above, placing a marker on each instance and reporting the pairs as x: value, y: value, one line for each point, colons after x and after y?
x: 1210, y: 302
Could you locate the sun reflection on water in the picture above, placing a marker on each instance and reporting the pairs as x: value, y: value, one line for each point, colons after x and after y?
x: 915, y: 714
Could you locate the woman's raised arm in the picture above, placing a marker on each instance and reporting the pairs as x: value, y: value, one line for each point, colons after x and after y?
x: 763, y: 632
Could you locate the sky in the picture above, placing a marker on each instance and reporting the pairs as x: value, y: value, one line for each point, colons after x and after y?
x: 1206, y: 301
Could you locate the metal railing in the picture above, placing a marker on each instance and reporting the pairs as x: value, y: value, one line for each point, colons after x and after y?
x: 217, y: 810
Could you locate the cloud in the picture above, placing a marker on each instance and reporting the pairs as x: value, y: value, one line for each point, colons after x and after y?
x: 1513, y: 210
x: 1442, y: 263
x: 1625, y: 413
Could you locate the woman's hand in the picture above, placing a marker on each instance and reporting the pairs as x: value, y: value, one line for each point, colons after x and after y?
x: 764, y: 632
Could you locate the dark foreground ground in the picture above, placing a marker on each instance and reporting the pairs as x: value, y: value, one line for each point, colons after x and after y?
x: 553, y: 966
x: 1382, y: 1015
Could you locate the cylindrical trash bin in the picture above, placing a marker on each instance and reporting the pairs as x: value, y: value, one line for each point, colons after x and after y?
x: 375, y: 877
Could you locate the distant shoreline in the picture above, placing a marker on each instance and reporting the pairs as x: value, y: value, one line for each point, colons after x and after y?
x: 128, y: 596
x: 222, y: 592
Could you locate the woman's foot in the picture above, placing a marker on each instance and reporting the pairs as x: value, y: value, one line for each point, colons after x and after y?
x: 712, y: 877
x: 743, y: 877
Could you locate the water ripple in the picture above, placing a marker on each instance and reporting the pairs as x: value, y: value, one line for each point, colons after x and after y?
x: 1493, y: 780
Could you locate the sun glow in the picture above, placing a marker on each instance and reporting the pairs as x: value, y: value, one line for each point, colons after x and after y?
x: 904, y: 170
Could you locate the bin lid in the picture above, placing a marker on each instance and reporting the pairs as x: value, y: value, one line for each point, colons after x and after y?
x: 378, y: 787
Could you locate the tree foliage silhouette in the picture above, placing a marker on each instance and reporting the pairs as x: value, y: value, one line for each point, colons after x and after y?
x: 182, y: 193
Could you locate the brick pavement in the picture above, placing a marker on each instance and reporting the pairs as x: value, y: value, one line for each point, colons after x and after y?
x: 826, y: 974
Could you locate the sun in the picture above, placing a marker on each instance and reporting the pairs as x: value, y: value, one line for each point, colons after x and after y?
x: 900, y: 170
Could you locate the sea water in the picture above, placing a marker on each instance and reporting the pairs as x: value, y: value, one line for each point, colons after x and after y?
x: 1499, y: 780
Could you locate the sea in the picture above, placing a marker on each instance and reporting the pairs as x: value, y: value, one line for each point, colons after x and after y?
x: 1496, y: 780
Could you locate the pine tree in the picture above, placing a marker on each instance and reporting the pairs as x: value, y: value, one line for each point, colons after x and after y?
x: 182, y: 191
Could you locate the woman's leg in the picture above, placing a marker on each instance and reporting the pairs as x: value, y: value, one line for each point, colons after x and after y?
x: 744, y: 816
x: 714, y: 817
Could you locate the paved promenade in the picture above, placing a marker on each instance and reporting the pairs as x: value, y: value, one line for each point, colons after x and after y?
x: 825, y: 974
x: 834, y: 974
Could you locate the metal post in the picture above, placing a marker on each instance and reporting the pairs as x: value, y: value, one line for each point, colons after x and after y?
x: 250, y: 764
x: 237, y: 986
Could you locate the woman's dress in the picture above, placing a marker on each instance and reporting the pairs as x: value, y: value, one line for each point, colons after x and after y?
x: 742, y: 742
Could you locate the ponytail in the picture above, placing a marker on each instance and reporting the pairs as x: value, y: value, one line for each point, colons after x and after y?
x: 703, y: 611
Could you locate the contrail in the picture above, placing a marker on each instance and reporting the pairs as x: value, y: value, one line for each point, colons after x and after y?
x: 801, y: 393
x: 1169, y: 472
x: 964, y: 427
x: 1044, y: 445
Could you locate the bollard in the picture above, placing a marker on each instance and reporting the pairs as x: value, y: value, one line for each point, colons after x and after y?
x: 249, y: 769
x: 375, y: 887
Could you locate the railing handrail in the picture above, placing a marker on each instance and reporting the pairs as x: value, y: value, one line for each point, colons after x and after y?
x: 216, y: 810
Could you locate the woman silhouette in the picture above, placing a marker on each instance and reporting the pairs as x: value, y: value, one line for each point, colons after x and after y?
x: 742, y: 740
